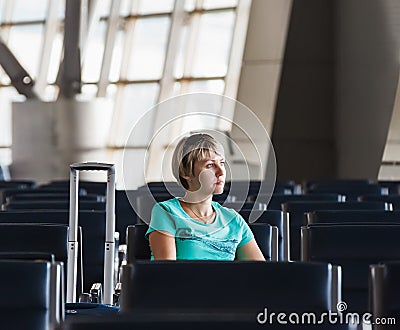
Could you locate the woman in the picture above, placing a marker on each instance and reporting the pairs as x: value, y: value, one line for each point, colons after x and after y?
x: 195, y: 227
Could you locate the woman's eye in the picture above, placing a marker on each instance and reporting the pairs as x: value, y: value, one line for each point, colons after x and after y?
x: 222, y: 164
x: 210, y: 165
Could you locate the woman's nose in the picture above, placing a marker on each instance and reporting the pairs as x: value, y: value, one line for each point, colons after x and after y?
x: 220, y: 170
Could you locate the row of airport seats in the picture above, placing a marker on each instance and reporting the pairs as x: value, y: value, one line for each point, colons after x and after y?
x: 244, y: 210
x: 173, y: 272
x: 220, y: 295
x: 173, y: 303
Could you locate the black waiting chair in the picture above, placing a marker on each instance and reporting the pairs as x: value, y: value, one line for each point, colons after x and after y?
x: 392, y: 185
x: 276, y: 201
x: 29, y: 240
x: 354, y: 247
x: 30, y: 237
x: 242, y: 205
x: 125, y: 211
x: 25, y: 287
x: 93, y: 236
x: 266, y: 237
x: 353, y: 216
x: 57, y: 280
x: 146, y: 202
x: 52, y: 197
x: 52, y: 205
x: 309, y: 184
x: 384, y: 293
x: 191, y: 321
x: 350, y: 190
x: 138, y: 247
x: 243, y: 288
x: 9, y: 192
x: 244, y: 188
x: 17, y: 184
x: 297, y: 217
x: 392, y: 199
x: 92, y: 187
x: 276, y: 218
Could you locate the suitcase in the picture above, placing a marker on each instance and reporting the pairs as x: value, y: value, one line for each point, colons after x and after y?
x: 104, y: 307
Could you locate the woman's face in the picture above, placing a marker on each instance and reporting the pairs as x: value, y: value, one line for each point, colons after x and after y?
x: 209, y: 175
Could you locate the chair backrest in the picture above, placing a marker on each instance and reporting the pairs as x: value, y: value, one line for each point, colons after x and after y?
x: 242, y: 189
x: 266, y: 237
x: 17, y: 184
x: 384, y: 293
x: 237, y: 206
x: 146, y: 202
x: 354, y: 247
x: 35, y: 239
x: 167, y: 187
x: 350, y: 190
x: 162, y: 321
x: 52, y: 205
x: 29, y: 237
x: 276, y: 218
x: 8, y: 192
x: 392, y: 186
x: 125, y: 212
x: 393, y: 199
x: 352, y: 216
x: 57, y: 279
x: 92, y: 187
x: 93, y: 232
x: 25, y: 294
x: 53, y: 196
x: 244, y: 287
x: 138, y: 247
x: 297, y: 216
x: 309, y: 184
x: 276, y: 201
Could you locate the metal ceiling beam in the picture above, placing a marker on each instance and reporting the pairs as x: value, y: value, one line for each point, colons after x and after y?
x: 70, y: 75
x: 19, y: 77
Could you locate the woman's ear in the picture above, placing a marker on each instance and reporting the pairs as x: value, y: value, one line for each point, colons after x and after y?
x: 187, y: 177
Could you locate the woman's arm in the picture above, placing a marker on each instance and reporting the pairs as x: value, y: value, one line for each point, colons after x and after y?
x: 162, y: 245
x: 250, y: 251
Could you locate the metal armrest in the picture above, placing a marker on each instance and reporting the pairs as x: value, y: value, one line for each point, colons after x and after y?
x: 274, y: 244
x: 286, y: 237
x: 336, y: 287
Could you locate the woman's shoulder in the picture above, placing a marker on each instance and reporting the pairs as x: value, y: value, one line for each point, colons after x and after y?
x: 168, y: 205
x: 226, y: 211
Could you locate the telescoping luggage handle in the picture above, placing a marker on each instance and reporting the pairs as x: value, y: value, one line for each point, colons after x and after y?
x: 73, y: 231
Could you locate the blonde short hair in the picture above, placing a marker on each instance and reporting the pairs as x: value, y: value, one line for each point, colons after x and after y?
x: 189, y: 149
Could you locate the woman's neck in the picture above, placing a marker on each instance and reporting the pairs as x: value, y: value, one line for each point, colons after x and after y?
x: 198, y: 199
x: 202, y: 204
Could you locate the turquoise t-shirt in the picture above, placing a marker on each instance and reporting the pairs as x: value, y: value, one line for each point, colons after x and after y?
x: 198, y: 241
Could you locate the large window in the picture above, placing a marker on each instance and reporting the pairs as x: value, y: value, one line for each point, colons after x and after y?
x: 136, y: 52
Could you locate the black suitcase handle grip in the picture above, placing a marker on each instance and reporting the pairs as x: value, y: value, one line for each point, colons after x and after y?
x: 93, y: 166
